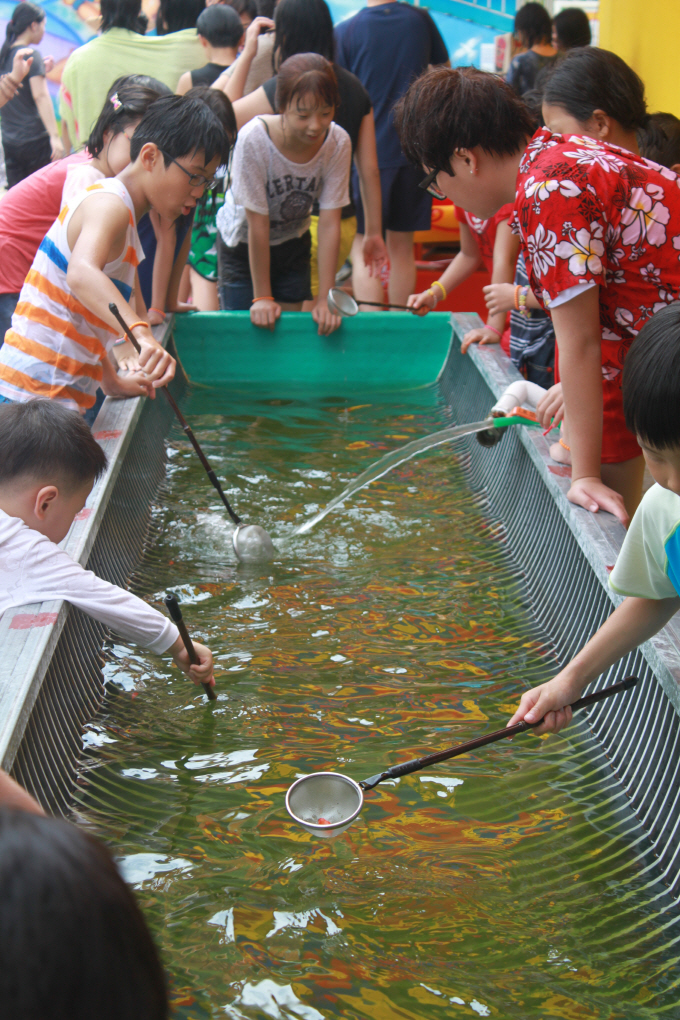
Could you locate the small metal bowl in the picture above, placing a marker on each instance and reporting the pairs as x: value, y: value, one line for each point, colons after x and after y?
x: 328, y: 795
x: 341, y: 303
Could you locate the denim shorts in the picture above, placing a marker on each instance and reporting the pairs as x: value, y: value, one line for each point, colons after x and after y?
x: 289, y: 271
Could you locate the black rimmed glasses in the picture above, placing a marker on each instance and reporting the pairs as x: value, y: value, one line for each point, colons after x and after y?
x: 196, y: 180
x: 429, y: 184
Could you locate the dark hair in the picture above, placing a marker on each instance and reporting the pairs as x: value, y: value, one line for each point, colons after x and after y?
x: 651, y: 380
x: 220, y: 105
x: 133, y: 94
x: 23, y: 15
x: 306, y: 74
x: 265, y: 8
x: 220, y: 25
x: 121, y: 14
x: 572, y: 28
x: 44, y: 439
x: 659, y: 139
x: 181, y: 126
x: 303, y: 26
x: 590, y: 79
x: 175, y: 15
x: 533, y: 23
x: 248, y: 7
x: 448, y: 109
x: 73, y: 942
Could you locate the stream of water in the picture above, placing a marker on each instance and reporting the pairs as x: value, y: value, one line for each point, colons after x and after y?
x: 503, y: 884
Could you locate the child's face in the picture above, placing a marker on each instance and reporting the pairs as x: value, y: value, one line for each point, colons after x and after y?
x: 178, y: 186
x: 55, y: 510
x: 306, y: 120
x: 664, y: 465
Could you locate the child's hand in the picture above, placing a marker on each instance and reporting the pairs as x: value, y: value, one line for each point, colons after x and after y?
x: 155, y: 317
x: 324, y: 317
x: 481, y: 335
x: 130, y: 384
x: 552, y: 701
x: 374, y: 252
x: 158, y: 365
x: 126, y: 357
x: 255, y: 28
x: 21, y: 64
x: 202, y: 674
x: 422, y: 303
x: 264, y: 314
x: 499, y: 297
x: 551, y: 406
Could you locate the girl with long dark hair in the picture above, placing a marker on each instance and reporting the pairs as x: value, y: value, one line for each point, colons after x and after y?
x: 29, y: 126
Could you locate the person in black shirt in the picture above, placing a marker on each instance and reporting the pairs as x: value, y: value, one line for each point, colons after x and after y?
x: 29, y: 126
x: 533, y: 31
x: 220, y: 31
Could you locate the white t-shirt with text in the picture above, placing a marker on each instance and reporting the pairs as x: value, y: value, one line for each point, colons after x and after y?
x: 265, y: 182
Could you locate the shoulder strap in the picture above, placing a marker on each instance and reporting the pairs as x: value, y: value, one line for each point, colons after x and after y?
x: 265, y: 126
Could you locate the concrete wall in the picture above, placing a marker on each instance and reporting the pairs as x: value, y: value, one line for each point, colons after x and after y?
x: 647, y: 36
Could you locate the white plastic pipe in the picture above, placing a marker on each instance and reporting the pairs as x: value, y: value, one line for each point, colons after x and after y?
x: 520, y: 393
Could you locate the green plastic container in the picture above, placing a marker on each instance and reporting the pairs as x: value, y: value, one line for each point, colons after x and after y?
x: 370, y: 352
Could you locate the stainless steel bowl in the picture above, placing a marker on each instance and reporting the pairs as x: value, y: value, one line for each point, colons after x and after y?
x: 328, y: 795
x: 252, y: 544
x: 341, y: 303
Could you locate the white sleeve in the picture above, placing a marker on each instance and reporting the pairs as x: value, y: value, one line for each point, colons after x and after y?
x: 47, y: 573
x: 249, y: 171
x: 335, y: 189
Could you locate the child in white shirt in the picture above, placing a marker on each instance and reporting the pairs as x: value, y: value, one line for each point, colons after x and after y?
x: 647, y: 570
x: 49, y: 462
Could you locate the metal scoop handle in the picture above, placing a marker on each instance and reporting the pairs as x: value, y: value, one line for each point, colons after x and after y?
x: 113, y: 308
x: 172, y: 606
x: 509, y: 731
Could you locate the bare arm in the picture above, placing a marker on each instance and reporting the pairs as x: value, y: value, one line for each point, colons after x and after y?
x: 579, y: 337
x: 328, y: 248
x: 184, y: 83
x: 96, y: 235
x: 233, y: 84
x: 262, y: 313
x: 166, y: 240
x: 366, y: 158
x: 631, y: 624
x: 253, y: 105
x: 463, y: 265
x: 172, y: 304
x: 46, y: 110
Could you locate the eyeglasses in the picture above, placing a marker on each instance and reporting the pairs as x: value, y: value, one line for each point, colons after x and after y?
x: 196, y: 180
x: 429, y: 185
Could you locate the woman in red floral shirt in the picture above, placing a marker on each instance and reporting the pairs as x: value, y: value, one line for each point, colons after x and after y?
x: 600, y: 232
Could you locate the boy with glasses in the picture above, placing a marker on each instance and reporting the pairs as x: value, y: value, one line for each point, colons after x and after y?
x: 62, y: 330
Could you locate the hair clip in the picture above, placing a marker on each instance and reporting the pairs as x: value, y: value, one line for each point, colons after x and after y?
x: 116, y: 101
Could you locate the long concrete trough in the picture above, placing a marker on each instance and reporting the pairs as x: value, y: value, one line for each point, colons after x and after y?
x: 51, y: 682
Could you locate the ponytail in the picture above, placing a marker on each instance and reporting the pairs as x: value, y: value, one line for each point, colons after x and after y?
x: 23, y: 15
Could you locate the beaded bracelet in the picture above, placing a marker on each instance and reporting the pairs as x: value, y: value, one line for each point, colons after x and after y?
x: 269, y: 298
x: 140, y: 323
x: 438, y: 283
x: 523, y: 310
x: 494, y: 330
x: 516, y: 301
x: 158, y: 311
x: 562, y: 443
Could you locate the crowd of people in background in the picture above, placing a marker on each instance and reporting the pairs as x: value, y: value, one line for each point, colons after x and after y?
x: 238, y: 159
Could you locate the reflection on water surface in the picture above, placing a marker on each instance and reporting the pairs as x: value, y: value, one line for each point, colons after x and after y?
x: 501, y: 884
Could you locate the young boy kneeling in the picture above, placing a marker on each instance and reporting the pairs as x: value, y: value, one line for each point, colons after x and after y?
x: 49, y: 462
x: 648, y: 567
x: 62, y: 330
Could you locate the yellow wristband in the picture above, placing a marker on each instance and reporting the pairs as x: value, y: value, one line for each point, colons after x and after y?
x: 438, y: 283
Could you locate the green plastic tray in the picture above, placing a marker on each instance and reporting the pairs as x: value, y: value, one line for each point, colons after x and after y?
x: 373, y: 351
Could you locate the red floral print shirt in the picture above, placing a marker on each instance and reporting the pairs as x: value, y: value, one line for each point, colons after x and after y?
x: 589, y: 213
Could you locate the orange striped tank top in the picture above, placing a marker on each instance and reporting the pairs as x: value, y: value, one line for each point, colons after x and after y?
x: 56, y: 345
